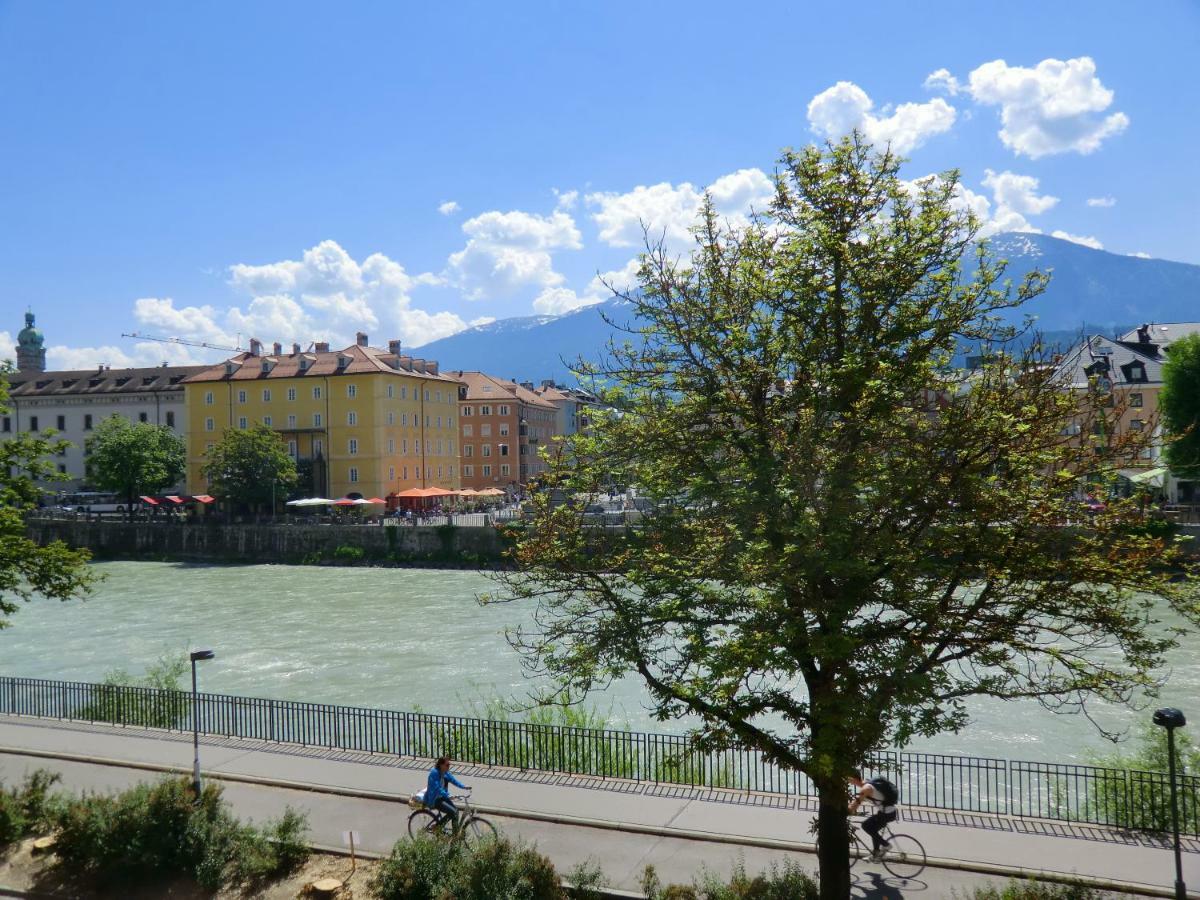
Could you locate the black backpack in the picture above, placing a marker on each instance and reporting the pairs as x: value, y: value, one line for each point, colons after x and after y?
x: 889, y: 794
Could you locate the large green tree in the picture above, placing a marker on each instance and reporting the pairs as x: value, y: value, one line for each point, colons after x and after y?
x: 852, y: 537
x: 249, y: 466
x: 28, y: 570
x: 1179, y: 403
x: 134, y: 459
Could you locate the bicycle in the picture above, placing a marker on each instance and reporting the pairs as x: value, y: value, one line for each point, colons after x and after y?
x: 471, y: 829
x: 904, y: 856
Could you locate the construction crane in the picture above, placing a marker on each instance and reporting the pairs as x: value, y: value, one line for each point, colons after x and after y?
x: 182, y: 342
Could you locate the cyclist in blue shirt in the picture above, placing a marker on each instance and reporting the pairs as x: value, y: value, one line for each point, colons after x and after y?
x: 887, y: 796
x: 436, y: 795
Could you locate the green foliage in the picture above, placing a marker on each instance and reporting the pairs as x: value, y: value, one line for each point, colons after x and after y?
x: 498, y: 869
x: 134, y: 458
x: 155, y: 832
x: 27, y: 570
x: 852, y: 539
x: 166, y: 705
x: 349, y: 553
x: 1142, y: 800
x: 1179, y: 404
x: 781, y: 882
x: 587, y: 880
x: 28, y: 809
x: 249, y: 466
x: 1036, y: 890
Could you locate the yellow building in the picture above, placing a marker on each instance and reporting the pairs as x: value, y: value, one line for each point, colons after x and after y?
x: 367, y: 422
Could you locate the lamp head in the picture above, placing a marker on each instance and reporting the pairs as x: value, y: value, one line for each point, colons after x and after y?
x: 1169, y: 717
x: 198, y: 655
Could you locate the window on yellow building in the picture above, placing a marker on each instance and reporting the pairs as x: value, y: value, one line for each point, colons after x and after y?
x: 389, y: 392
x: 351, y: 418
x: 241, y: 396
x: 208, y: 398
x: 316, y: 420
x: 351, y: 391
x: 353, y: 475
x: 316, y: 393
x: 391, y: 473
x: 267, y: 420
x: 209, y: 425
x: 391, y: 445
x: 242, y: 422
x: 404, y: 447
x: 353, y: 446
x: 266, y: 395
x: 291, y: 393
x: 391, y: 420
x: 291, y: 421
x: 292, y: 449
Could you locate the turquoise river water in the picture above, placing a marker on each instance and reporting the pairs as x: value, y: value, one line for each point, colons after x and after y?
x: 407, y: 639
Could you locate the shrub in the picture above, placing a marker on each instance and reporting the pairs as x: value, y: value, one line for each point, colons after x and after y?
x: 26, y: 810
x: 349, y: 553
x: 1036, y: 890
x: 498, y: 869
x: 1143, y: 803
x: 786, y: 882
x: 158, y: 831
x: 116, y: 699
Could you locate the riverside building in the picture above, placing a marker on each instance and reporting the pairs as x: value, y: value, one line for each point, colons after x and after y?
x: 360, y: 422
x: 71, y: 404
x: 503, y: 426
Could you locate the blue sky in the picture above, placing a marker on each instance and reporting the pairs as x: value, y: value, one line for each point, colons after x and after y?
x: 221, y: 170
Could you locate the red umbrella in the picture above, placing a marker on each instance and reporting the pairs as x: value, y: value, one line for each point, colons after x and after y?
x: 376, y: 500
x: 149, y: 500
x: 203, y: 498
x: 345, y: 501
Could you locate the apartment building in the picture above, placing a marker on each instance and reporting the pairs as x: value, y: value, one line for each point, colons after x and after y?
x: 575, y: 406
x: 503, y: 425
x: 73, y: 403
x: 359, y: 421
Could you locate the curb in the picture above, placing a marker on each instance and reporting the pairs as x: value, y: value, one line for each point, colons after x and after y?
x: 1104, y: 884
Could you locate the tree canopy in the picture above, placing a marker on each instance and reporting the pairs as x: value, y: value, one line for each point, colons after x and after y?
x: 1179, y: 403
x: 852, y: 537
x: 28, y: 570
x: 133, y: 459
x: 249, y: 465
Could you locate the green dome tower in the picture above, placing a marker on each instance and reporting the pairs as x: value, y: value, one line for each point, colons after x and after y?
x: 31, y: 354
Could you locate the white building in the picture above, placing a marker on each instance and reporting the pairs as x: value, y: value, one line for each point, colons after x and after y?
x: 72, y: 404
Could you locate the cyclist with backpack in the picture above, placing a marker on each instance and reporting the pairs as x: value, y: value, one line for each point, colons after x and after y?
x: 887, y: 796
x: 437, y: 797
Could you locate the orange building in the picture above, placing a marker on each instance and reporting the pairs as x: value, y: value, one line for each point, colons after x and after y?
x: 502, y: 426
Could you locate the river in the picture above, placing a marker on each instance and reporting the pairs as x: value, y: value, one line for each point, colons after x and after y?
x: 407, y: 639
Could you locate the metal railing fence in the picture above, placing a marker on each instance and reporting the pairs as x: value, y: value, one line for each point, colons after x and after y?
x: 1065, y: 792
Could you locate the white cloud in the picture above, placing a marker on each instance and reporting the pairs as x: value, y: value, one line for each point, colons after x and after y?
x: 510, y: 251
x: 325, y: 295
x: 669, y: 211
x: 1141, y: 254
x: 1055, y: 107
x: 558, y: 300
x: 844, y: 107
x: 1102, y: 202
x: 8, y: 347
x: 1016, y: 196
x: 566, y: 199
x: 1085, y: 240
x: 449, y: 207
x: 942, y: 80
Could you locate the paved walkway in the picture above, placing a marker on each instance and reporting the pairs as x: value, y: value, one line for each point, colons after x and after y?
x: 622, y: 825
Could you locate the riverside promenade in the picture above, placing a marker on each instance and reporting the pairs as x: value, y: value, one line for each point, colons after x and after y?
x: 621, y: 825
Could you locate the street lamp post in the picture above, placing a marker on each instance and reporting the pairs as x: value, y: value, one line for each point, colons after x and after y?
x: 197, y: 656
x: 1170, y: 719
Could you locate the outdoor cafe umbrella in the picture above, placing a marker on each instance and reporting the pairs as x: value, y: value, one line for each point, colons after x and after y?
x: 310, y: 501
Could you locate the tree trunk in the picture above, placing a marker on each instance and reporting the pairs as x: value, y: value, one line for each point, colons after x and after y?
x: 833, y: 837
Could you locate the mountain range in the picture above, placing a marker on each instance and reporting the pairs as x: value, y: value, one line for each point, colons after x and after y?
x: 1090, y: 290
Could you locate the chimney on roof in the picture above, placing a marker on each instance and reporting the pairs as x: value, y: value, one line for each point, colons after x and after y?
x: 295, y: 349
x: 1143, y: 333
x: 528, y: 385
x: 361, y: 338
x: 547, y: 382
x: 394, y: 347
x: 418, y: 365
x: 321, y: 346
x: 431, y: 367
x: 255, y: 347
x: 277, y: 349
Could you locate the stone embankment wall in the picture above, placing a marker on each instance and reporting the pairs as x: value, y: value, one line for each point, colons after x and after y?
x: 445, y: 545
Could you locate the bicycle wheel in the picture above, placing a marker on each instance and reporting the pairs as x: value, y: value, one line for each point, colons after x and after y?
x: 905, y: 858
x: 422, y: 822
x: 857, y: 849
x: 475, y: 830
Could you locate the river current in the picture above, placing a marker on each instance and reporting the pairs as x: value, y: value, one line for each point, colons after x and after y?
x: 410, y: 639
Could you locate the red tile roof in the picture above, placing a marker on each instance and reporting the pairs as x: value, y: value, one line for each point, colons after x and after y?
x: 362, y: 360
